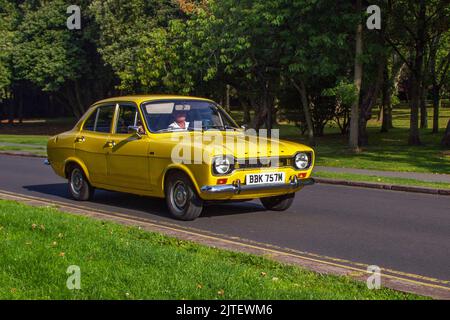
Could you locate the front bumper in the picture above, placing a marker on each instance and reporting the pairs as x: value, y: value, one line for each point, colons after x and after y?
x: 237, y: 187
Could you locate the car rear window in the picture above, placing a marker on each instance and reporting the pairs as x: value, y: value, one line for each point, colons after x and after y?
x: 100, y: 120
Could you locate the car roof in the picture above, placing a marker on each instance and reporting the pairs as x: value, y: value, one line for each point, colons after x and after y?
x: 148, y: 97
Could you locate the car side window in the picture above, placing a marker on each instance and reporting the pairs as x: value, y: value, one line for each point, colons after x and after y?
x: 128, y: 116
x: 100, y: 120
x: 89, y: 124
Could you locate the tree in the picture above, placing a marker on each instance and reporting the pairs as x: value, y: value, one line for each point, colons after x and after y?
x: 129, y: 30
x: 57, y: 60
x: 439, y: 71
x: 413, y: 25
x: 8, y: 17
x: 315, y: 55
x: 354, y: 117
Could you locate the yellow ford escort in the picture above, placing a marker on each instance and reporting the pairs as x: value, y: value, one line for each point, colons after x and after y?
x: 187, y: 150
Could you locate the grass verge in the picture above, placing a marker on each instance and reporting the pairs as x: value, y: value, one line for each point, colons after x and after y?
x: 36, y: 145
x: 378, y: 179
x: 122, y: 262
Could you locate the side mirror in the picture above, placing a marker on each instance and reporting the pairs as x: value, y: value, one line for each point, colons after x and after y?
x: 135, y: 130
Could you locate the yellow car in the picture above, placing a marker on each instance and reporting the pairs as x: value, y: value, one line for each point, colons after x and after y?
x: 187, y: 150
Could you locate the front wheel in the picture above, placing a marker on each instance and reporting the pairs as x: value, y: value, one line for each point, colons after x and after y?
x: 278, y: 203
x: 181, y: 197
x: 79, y: 186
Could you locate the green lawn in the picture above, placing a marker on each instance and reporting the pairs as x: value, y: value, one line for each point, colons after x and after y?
x: 378, y: 179
x: 25, y: 139
x: 36, y: 145
x: 37, y: 246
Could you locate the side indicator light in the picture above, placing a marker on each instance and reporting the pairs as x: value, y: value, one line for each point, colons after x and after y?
x: 302, y: 175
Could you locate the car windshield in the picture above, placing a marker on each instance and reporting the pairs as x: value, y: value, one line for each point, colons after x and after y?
x: 179, y: 115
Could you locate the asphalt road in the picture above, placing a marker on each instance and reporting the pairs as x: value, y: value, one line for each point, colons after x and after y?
x: 408, y: 232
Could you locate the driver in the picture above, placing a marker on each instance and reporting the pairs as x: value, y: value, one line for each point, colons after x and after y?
x: 180, y: 120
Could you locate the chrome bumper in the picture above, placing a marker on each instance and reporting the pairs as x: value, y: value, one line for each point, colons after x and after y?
x: 237, y: 187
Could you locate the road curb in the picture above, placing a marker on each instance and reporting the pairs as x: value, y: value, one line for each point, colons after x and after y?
x: 21, y: 154
x: 382, y: 186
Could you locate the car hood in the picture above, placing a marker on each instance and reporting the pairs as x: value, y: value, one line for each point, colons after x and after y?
x: 240, y: 145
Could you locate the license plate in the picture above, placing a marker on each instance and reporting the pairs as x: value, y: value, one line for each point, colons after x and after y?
x: 261, y: 178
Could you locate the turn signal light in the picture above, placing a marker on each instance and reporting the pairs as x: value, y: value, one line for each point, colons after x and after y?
x: 302, y: 175
x: 222, y: 181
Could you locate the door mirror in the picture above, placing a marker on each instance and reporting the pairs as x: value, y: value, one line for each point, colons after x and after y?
x: 135, y: 130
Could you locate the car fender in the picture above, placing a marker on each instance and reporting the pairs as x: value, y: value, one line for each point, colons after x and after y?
x: 80, y: 163
x: 183, y: 168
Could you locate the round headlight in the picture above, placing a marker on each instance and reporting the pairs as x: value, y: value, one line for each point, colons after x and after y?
x: 222, y: 165
x: 301, y: 160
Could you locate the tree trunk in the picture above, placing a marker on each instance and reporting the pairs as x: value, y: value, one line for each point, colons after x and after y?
x: 423, y: 108
x: 416, y: 81
x: 305, y: 105
x: 354, y: 118
x: 227, y: 98
x: 368, y: 102
x: 414, y: 136
x: 247, y: 118
x: 386, y: 122
x: 436, y: 103
x: 446, y: 139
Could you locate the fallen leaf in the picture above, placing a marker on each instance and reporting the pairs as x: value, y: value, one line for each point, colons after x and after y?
x: 275, y: 279
x: 221, y: 292
x: 263, y: 274
x: 13, y: 290
x: 61, y: 254
x: 199, y: 286
x: 33, y: 226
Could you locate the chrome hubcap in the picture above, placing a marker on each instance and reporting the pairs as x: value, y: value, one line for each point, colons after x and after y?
x: 179, y: 195
x: 76, y: 180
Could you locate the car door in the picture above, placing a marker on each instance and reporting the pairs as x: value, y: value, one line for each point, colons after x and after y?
x: 92, y: 142
x: 128, y: 159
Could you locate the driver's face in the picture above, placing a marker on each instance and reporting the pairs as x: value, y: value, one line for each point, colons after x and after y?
x: 180, y: 116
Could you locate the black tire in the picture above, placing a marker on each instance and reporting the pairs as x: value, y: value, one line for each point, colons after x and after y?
x: 181, y: 197
x: 79, y: 187
x: 278, y: 203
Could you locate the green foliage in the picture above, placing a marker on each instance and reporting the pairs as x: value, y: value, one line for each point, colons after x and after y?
x: 46, y: 52
x: 133, y: 39
x: 7, y: 20
x: 344, y: 92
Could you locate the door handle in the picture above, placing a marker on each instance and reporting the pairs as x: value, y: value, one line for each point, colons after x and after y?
x: 79, y: 139
x: 110, y: 144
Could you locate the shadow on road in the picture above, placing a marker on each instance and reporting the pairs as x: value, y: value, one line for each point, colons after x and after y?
x: 142, y: 204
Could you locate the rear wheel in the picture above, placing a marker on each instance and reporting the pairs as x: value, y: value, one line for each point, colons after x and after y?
x: 278, y: 203
x: 181, y: 197
x: 79, y: 186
